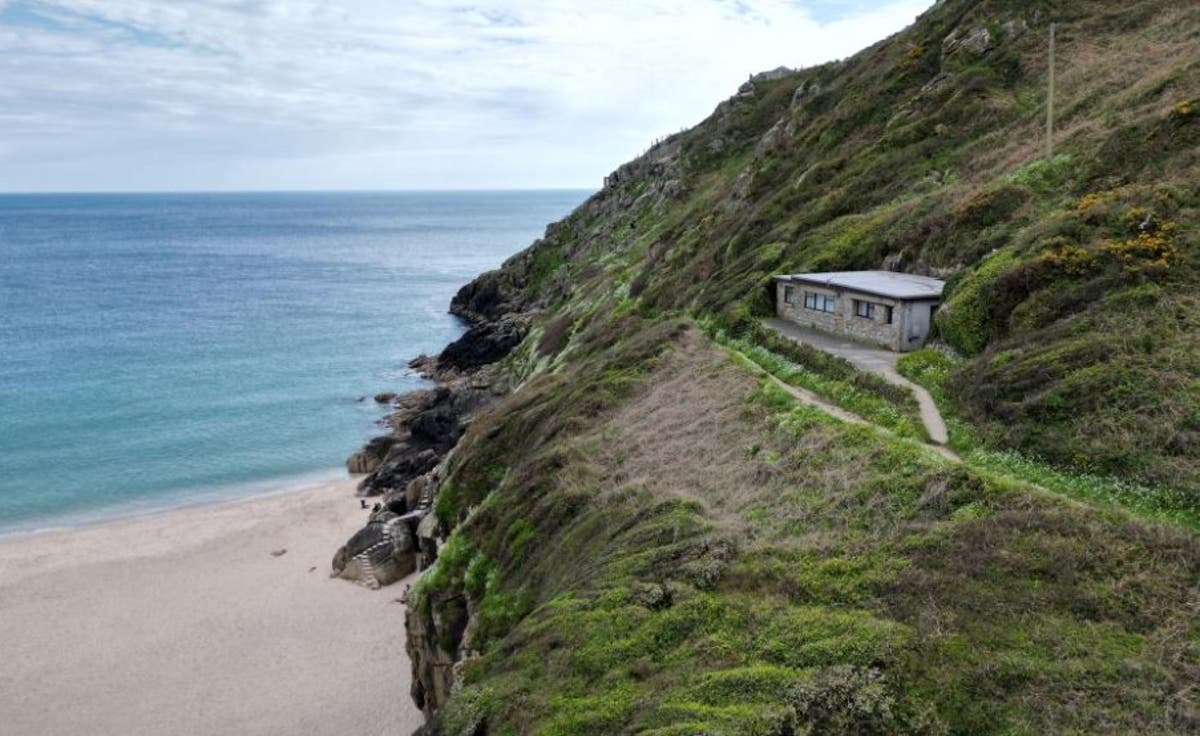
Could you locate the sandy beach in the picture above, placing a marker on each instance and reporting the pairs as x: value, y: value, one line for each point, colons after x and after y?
x: 185, y: 623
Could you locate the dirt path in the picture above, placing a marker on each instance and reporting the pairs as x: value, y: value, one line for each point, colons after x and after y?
x: 874, y: 360
x: 804, y: 396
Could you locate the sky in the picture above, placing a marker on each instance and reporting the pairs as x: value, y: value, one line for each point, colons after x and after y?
x: 184, y: 95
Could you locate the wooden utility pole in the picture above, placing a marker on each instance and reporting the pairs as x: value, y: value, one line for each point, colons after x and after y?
x: 1050, y: 100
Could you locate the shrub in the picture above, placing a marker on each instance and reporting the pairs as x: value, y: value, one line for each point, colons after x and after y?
x: 1045, y: 176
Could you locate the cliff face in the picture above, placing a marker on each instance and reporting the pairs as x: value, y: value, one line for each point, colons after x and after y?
x: 647, y: 536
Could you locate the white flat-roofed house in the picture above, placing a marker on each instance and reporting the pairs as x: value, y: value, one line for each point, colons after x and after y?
x: 894, y: 310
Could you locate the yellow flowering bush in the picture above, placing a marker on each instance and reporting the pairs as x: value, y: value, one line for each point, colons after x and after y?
x: 1094, y: 199
x: 1070, y: 258
x: 1148, y: 253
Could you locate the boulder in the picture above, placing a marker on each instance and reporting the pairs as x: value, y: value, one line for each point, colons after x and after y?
x: 975, y: 42
x: 369, y: 457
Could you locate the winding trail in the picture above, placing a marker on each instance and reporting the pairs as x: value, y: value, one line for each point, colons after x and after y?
x: 873, y: 360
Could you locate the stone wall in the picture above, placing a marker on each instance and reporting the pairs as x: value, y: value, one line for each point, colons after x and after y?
x: 844, y: 320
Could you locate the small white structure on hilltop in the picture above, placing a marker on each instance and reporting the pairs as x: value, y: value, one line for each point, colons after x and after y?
x: 894, y: 310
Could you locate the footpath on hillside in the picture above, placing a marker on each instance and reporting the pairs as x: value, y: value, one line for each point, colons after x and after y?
x: 879, y: 361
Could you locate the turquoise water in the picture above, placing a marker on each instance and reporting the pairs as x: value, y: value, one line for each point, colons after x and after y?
x: 164, y: 350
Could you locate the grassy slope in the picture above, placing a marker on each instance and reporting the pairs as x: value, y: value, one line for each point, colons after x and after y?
x: 1084, y: 331
x: 690, y: 552
x: 778, y: 571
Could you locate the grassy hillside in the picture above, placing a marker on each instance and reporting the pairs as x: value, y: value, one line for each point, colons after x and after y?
x: 1073, y: 278
x: 649, y: 537
x: 662, y: 542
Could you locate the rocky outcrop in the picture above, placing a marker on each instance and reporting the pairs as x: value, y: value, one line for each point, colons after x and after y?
x: 369, y: 458
x: 484, y: 343
x: 405, y: 467
x: 440, y: 621
x: 405, y: 470
x: 426, y: 425
x: 380, y: 553
x: 486, y: 299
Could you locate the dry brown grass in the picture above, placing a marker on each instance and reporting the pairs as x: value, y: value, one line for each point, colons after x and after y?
x: 684, y: 435
x: 1130, y: 77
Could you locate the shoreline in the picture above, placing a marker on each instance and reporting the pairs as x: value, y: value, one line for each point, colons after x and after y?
x: 168, y: 622
x: 196, y: 499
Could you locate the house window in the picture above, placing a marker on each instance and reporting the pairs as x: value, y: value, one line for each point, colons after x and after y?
x: 789, y: 295
x: 888, y: 314
x: 819, y: 302
x: 864, y: 309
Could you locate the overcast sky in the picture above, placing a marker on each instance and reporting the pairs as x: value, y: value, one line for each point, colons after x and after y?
x: 382, y: 94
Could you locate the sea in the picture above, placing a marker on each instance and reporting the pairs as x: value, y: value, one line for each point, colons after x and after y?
x: 167, y: 350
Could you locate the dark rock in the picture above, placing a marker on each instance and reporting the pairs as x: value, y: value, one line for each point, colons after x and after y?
x: 405, y: 462
x: 482, y: 344
x: 385, y: 397
x: 429, y: 628
x: 426, y: 425
x: 438, y: 425
x: 486, y: 299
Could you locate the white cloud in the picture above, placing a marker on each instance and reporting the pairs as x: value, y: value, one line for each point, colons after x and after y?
x: 148, y: 94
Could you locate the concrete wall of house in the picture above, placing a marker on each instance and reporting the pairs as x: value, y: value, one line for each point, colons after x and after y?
x: 918, y: 317
x: 907, y: 330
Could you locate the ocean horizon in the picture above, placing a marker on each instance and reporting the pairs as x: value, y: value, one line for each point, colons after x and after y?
x: 162, y: 350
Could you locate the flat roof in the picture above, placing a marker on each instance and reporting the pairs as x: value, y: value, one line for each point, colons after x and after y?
x: 888, y: 284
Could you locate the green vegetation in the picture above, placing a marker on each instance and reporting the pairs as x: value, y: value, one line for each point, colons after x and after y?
x: 926, y: 156
x: 1169, y: 504
x: 932, y: 369
x: 835, y: 379
x: 883, y: 592
x: 651, y: 538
